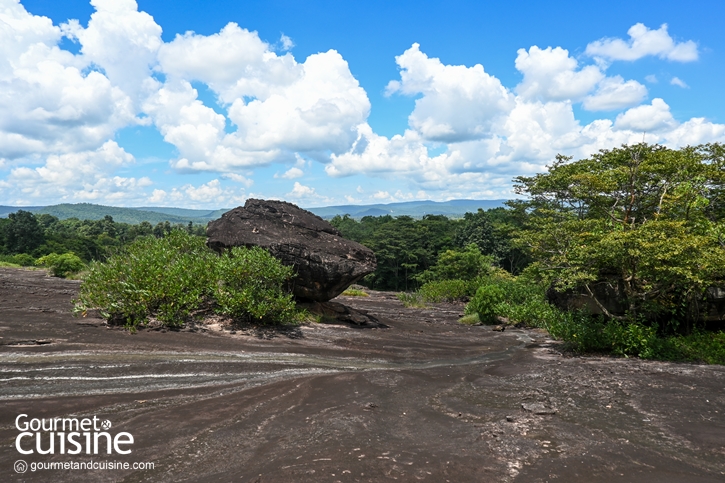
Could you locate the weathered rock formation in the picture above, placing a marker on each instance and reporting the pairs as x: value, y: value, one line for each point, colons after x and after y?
x: 339, y: 313
x: 610, y: 295
x: 325, y: 262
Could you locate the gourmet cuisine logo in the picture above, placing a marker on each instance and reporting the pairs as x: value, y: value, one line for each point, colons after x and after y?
x: 87, y: 436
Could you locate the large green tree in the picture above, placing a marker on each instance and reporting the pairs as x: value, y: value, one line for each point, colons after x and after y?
x: 22, y: 233
x: 492, y: 231
x: 645, y: 219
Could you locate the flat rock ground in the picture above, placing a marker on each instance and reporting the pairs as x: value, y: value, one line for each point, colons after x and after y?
x: 425, y: 399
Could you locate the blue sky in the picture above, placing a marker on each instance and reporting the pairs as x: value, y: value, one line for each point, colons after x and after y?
x: 204, y: 104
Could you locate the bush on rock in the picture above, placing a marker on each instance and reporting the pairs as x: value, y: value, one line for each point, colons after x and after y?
x: 170, y: 278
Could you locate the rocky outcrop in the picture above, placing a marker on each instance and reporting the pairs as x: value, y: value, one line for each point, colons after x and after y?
x: 607, y: 292
x: 715, y: 298
x: 610, y: 295
x: 325, y: 262
x: 342, y: 314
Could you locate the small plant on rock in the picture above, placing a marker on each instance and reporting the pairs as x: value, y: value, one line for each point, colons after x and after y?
x: 484, y: 303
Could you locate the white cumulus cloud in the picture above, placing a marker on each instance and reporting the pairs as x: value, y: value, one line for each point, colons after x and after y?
x: 614, y: 93
x: 647, y: 118
x: 521, y: 135
x: 458, y: 102
x: 552, y: 75
x: 85, y: 175
x: 301, y: 192
x: 279, y: 107
x: 643, y: 42
x: 238, y: 178
x: 291, y: 173
x: 210, y: 194
x: 50, y: 101
x: 123, y: 41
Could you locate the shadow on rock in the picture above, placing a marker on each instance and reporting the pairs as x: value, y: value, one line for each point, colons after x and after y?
x: 337, y: 313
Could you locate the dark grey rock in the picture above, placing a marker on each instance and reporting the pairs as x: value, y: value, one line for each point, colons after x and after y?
x: 538, y: 408
x: 325, y: 262
x: 607, y: 291
x: 334, y: 312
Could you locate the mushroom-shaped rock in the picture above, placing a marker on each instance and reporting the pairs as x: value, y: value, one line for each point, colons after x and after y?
x: 325, y: 262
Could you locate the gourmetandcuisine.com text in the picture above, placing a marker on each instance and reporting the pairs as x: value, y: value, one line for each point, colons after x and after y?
x: 90, y: 465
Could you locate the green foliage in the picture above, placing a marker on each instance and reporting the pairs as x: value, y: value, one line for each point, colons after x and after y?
x: 21, y: 233
x: 525, y: 303
x: 470, y: 319
x: 250, y: 284
x: 700, y: 346
x: 485, y: 303
x: 446, y: 290
x: 404, y: 247
x: 411, y: 299
x: 466, y: 264
x: 477, y: 229
x: 409, y: 251
x: 630, y: 338
x: 522, y: 300
x: 20, y: 260
x: 61, y: 265
x: 24, y: 233
x: 582, y: 333
x: 646, y: 217
x: 355, y: 292
x: 172, y: 277
x: 587, y: 334
x: 167, y: 278
x: 492, y: 232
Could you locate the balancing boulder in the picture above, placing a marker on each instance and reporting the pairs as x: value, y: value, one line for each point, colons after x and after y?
x: 325, y: 262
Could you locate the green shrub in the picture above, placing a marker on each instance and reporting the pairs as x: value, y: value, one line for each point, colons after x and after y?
x: 17, y: 261
x: 522, y: 300
x: 471, y: 319
x: 250, y: 284
x: 446, y: 290
x: 466, y: 264
x: 355, y: 292
x: 630, y: 338
x: 411, y: 299
x: 581, y: 333
x: 171, y: 277
x: 22, y: 259
x: 166, y: 277
x: 708, y: 347
x: 61, y: 265
x: 485, y: 303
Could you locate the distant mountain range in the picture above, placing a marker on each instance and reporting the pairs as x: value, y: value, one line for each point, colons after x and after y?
x: 87, y: 211
x: 416, y: 209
